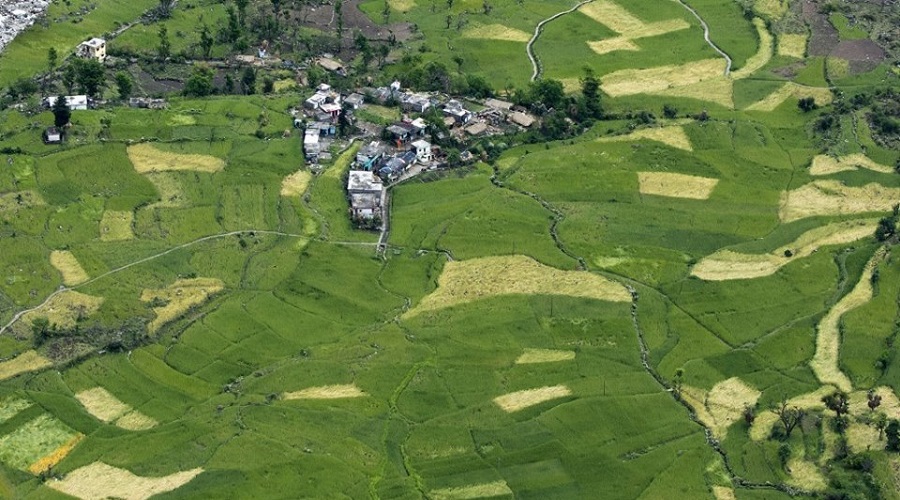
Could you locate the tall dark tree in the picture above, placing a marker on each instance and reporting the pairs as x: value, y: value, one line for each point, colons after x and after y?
x: 242, y: 11
x: 52, y: 58
x: 590, y: 91
x: 61, y: 112
x: 90, y: 75
x: 164, y: 49
x: 69, y: 77
x: 232, y: 30
x: 386, y: 11
x: 229, y: 83
x: 893, y: 435
x: 206, y: 41
x: 124, y: 84
x: 248, y: 80
x: 200, y: 82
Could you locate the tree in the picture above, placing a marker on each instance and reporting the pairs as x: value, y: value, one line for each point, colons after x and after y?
x: 232, y: 30
x: 242, y: 11
x: 892, y: 431
x: 887, y: 227
x: 206, y: 41
x: 880, y: 424
x: 873, y: 400
x: 61, y: 112
x: 670, y: 111
x: 807, y: 104
x: 90, y: 75
x: 52, y: 58
x: 749, y: 414
x: 70, y: 75
x: 248, y: 80
x: 200, y: 83
x: 229, y: 83
x: 124, y: 83
x: 839, y: 403
x: 268, y: 85
x: 788, y: 416
x: 590, y: 91
x: 383, y: 52
x: 386, y: 12
x: 459, y: 62
x: 449, y: 20
x: 165, y: 8
x: 40, y: 330
x: 165, y: 48
x: 546, y: 93
x: 449, y: 4
x: 339, y: 19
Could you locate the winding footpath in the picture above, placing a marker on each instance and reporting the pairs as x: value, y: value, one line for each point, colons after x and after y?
x: 529, y: 48
x: 728, y: 61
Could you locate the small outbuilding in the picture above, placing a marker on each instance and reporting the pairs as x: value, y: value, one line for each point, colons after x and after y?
x: 53, y: 135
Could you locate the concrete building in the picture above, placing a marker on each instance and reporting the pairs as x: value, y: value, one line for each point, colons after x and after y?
x: 95, y: 48
x: 75, y: 102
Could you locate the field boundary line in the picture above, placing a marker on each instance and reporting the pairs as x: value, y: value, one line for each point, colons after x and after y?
x: 728, y: 61
x: 63, y: 288
x: 529, y: 47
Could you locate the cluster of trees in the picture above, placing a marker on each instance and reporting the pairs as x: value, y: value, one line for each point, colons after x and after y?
x: 563, y: 115
x: 126, y: 336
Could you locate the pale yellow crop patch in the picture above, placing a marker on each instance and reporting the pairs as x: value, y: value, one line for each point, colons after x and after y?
x: 69, y: 267
x: 326, y: 392
x: 642, y: 81
x: 676, y: 185
x: 831, y: 197
x: 116, y: 226
x: 825, y: 164
x: 100, y: 481
x: 792, y: 45
x: 496, y: 32
x: 146, y: 158
x: 295, y: 184
x: 519, y: 400
x: 179, y: 297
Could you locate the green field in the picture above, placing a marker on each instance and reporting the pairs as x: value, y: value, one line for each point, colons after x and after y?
x: 287, y: 354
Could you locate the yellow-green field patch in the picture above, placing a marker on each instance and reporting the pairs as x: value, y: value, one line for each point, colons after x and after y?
x: 820, y: 95
x: 723, y: 493
x: 470, y: 280
x: 762, y: 56
x: 28, y: 361
x: 671, y: 136
x: 135, y: 421
x: 612, y: 16
x: 285, y: 84
x: 805, y: 475
x: 773, y: 9
x: 326, y: 392
x: 496, y: 32
x: 108, y: 408
x: 862, y: 437
x: 50, y: 460
x: 676, y: 185
x: 531, y: 356
x: 296, y: 183
x: 100, y: 481
x: 179, y: 297
x: 519, y: 400
x: 486, y: 490
x: 792, y: 45
x: 402, y: 5
x: 116, y: 226
x: 63, y: 310
x: 147, y: 158
x: 20, y: 199
x: 828, y: 336
x: 830, y: 197
x: 182, y: 120
x: 11, y: 407
x: 34, y: 440
x: 612, y: 45
x: 723, y: 405
x: 68, y: 266
x: 729, y: 265
x: 719, y: 90
x: 825, y: 164
x: 171, y: 193
x: 641, y: 81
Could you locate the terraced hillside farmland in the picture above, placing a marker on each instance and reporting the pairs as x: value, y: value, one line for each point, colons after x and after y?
x: 693, y: 295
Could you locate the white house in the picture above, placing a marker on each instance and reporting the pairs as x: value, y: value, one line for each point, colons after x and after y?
x: 366, y: 192
x: 52, y: 136
x: 95, y: 48
x: 423, y: 150
x: 75, y: 102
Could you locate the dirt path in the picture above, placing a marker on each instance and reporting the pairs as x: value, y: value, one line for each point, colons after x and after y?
x: 529, y: 48
x: 706, y: 37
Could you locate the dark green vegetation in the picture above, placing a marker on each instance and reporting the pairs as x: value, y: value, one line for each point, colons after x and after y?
x: 306, y: 302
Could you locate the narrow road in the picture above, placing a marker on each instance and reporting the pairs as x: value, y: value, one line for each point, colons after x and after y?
x: 715, y: 47
x: 529, y: 48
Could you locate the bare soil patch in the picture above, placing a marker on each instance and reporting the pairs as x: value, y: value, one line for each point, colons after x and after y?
x: 99, y: 481
x: 68, y: 266
x: 676, y: 185
x: 470, y: 280
x: 863, y: 55
x: 519, y: 400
